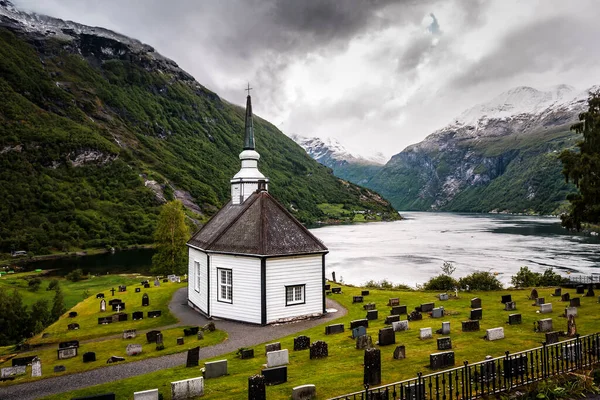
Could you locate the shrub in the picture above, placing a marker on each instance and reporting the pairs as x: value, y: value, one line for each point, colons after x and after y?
x: 441, y: 282
x: 34, y: 284
x: 75, y: 276
x: 53, y: 284
x: 525, y: 278
x: 386, y: 285
x: 551, y: 278
x: 480, y: 280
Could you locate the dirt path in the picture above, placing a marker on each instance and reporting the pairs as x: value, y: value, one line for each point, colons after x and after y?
x: 239, y: 335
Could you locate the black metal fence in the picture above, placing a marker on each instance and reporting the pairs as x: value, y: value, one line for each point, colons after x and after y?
x: 491, y: 376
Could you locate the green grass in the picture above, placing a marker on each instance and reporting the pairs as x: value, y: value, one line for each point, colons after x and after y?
x: 342, y: 371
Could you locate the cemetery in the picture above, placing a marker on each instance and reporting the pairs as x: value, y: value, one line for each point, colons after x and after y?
x: 331, y: 347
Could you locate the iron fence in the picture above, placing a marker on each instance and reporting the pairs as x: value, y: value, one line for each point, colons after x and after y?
x: 492, y: 375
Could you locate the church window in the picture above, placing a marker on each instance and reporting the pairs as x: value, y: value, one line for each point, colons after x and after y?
x: 225, y: 285
x: 197, y: 272
x: 294, y: 295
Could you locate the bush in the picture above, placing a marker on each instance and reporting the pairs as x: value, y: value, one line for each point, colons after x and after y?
x: 53, y: 284
x: 480, y: 280
x: 34, y: 284
x: 551, y: 278
x: 386, y: 285
x: 525, y: 278
x: 441, y: 282
x: 75, y: 276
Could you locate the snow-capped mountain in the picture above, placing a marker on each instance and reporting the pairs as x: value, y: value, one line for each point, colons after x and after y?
x: 331, y: 152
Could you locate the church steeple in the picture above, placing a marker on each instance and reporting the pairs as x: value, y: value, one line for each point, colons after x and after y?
x: 249, y: 179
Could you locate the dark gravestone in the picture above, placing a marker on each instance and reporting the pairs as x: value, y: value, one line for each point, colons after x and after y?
x: 364, y: 293
x: 70, y: 343
x: 90, y: 356
x: 146, y: 286
x: 369, y: 306
x: 575, y: 302
x: 100, y: 296
x: 301, y: 343
x: 565, y: 297
x: 272, y: 347
x: 372, y: 369
x: 114, y: 359
x: 394, y: 301
x: 357, y: 299
x: 193, y: 356
x: 398, y: 310
x: 590, y: 291
x: 580, y: 289
x: 191, y: 331
x: 137, y: 315
x: 415, y: 316
x: 118, y: 307
x: 154, y: 314
x: 335, y: 328
x: 59, y: 368
x: 114, y: 301
x: 476, y: 314
x: 476, y: 302
x: 552, y: 337
x: 364, y: 342
x: 145, y: 300
x: 444, y: 343
x: 144, y: 282
x: 515, y: 367
x: 246, y: 354
x: 318, y: 349
x: 359, y: 322
x: 180, y: 341
x: 510, y: 306
x: 400, y: 353
x: 539, y: 301
x: 151, y: 336
x: 427, y: 307
x: 119, y: 317
x: 138, y: 290
x: 256, y: 388
x: 22, y: 361
x: 104, y: 320
x: 372, y: 315
x: 327, y: 287
x: 66, y: 352
x: 391, y: 318
x: 122, y: 288
x: 275, y: 375
x: 72, y: 314
x: 159, y: 339
x: 514, y: 319
x: 73, y: 327
x: 441, y: 360
x: 506, y: 298
x: 557, y: 292
x: 470, y: 326
x: 386, y: 337
x: 165, y: 280
x: 336, y: 290
x: 104, y: 396
x: 534, y: 294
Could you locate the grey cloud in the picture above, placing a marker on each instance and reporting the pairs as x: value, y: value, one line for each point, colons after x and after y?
x: 434, y: 27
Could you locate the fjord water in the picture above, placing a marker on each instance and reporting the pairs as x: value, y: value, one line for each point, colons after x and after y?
x: 413, y: 250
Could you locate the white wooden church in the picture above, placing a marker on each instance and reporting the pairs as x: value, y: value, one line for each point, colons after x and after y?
x: 253, y: 261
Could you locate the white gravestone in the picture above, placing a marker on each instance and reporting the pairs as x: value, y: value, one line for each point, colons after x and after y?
x: 102, y: 305
x: 13, y: 371
x: 570, y: 311
x: 187, y: 388
x: 546, y: 308
x: 133, y: 349
x: 425, y: 333
x: 36, y: 367
x: 277, y: 358
x: 443, y: 296
x: 400, y: 326
x: 446, y: 328
x: 146, y: 395
x: 495, y: 334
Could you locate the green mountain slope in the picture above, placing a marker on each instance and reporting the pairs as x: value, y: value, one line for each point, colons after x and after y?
x: 89, y: 125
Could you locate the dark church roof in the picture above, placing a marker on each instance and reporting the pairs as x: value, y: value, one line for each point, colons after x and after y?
x: 259, y: 226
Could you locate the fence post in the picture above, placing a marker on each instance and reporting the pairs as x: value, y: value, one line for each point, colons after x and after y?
x: 366, y: 391
x: 544, y: 360
x: 578, y: 351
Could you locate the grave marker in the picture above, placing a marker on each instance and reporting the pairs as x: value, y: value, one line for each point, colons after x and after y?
x: 102, y: 305
x: 557, y: 292
x: 425, y: 333
x: 539, y: 301
x: 301, y: 343
x: 400, y: 353
x: 372, y: 315
x: 372, y: 367
x: 17, y: 362
x: 154, y: 314
x: 544, y: 325
x: 137, y: 315
x: 336, y: 290
x: 510, y: 306
x: 506, y: 298
x: 70, y: 343
x: 364, y: 342
x: 391, y: 319
x: 180, y: 341
x: 357, y: 299
x: 151, y: 336
x: 415, y: 316
x: 272, y: 347
x: 494, y: 334
x: 72, y: 314
x: 399, y: 326
x: 580, y: 289
x: 277, y: 358
x: 427, y: 307
x: 304, y: 392
x: 386, y: 337
x: 575, y: 302
x: 333, y: 329
x: 358, y: 331
x: 395, y: 301
x: 546, y: 308
x: 476, y: 314
x: 133, y: 349
x: 151, y: 394
x: 187, y: 388
x: 369, y: 306
x: 114, y: 301
x: 552, y: 337
x: 36, y: 368
x: 359, y: 322
x: 364, y: 293
x: 443, y: 296
x: 246, y: 354
x: 275, y: 375
x: 399, y: 310
x: 444, y: 343
x: 441, y: 360
x: 90, y: 356
x: 145, y: 300
x: 193, y: 356
x: 100, y: 296
x: 590, y: 291
x: 470, y: 326
x: 104, y: 320
x: 118, y: 307
x: 534, y: 294
x: 514, y: 319
x: 73, y: 327
x: 59, y: 368
x: 114, y: 359
x: 10, y: 372
x: 437, y: 312
x: 570, y: 311
x: 256, y: 388
x: 476, y: 302
x: 67, y: 352
x: 129, y: 334
x: 565, y: 297
x: 138, y: 290
x: 318, y: 349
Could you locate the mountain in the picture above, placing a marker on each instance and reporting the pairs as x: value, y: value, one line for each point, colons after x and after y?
x: 346, y: 165
x: 499, y: 156
x: 98, y: 129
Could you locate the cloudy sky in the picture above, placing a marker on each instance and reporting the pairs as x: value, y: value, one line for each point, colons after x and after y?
x: 376, y: 75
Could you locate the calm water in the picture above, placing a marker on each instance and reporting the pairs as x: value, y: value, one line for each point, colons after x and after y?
x: 413, y: 250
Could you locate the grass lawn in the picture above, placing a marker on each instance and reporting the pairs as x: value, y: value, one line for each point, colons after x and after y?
x: 342, y: 371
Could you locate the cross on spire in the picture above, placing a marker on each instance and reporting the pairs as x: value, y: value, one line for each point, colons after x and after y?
x: 248, y: 89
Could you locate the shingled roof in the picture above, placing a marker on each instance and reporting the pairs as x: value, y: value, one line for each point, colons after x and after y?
x: 258, y: 226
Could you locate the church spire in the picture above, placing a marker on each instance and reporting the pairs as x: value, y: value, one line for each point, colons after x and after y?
x: 249, y: 138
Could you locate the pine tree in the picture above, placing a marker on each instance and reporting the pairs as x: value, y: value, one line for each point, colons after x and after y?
x: 170, y: 237
x: 583, y: 168
x: 58, y: 304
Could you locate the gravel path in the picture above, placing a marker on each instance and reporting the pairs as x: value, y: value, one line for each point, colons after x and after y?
x: 239, y: 335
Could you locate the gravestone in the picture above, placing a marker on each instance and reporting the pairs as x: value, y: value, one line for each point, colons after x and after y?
x: 104, y: 320
x: 70, y: 343
x: 400, y: 353
x: 159, y: 339
x: 494, y: 334
x: 151, y: 336
x: 441, y: 360
x: 400, y: 326
x: 570, y: 311
x: 187, y: 388
x: 118, y: 307
x: 156, y: 282
x: 59, y: 368
x: 10, y: 372
x: 145, y: 300
x: 318, y: 349
x: 437, y: 312
x: 398, y: 310
x: 102, y: 305
x: 552, y: 337
x: 534, y: 294
x: 425, y: 333
x: 359, y: 322
x: 470, y: 326
x: 119, y: 317
x: 133, y: 349
x: 73, y: 327
x: 386, y: 337
x: 506, y: 298
x: 17, y: 362
x: 138, y: 290
x: 180, y: 341
x: 327, y: 286
x: 372, y: 367
x: 443, y: 296
x: 174, y: 279
x: 154, y: 314
x: 514, y: 319
x: 129, y: 334
x: 575, y: 302
x: 151, y: 394
x: 114, y: 359
x: 36, y: 368
x: 394, y: 301
x: 335, y: 328
x: 275, y: 375
x: 391, y: 319
x: 246, y: 354
x: 571, y: 327
x: 539, y: 301
x: 100, y: 296
x: 369, y: 306
x: 476, y: 314
x: 146, y: 286
x: 415, y: 316
x: 364, y: 342
x: 193, y: 356
x: 304, y: 392
x: 510, y: 306
x: 165, y: 280
x: 364, y: 293
x: 122, y: 288
x: 112, y: 291
x: 546, y: 308
x: 544, y: 325
x: 72, y: 314
x: 444, y: 343
x: 336, y: 290
x: 357, y: 299
x: 200, y: 335
x: 301, y: 343
x: 557, y: 292
x: 358, y: 331
x: 137, y: 315
x: 256, y: 388
x: 427, y: 307
x: 67, y: 352
x: 277, y: 358
x: 590, y: 292
x: 580, y: 289
x: 272, y: 347
x: 90, y: 356
x: 191, y: 331
x: 372, y: 315
x: 476, y: 302
x: 565, y: 297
